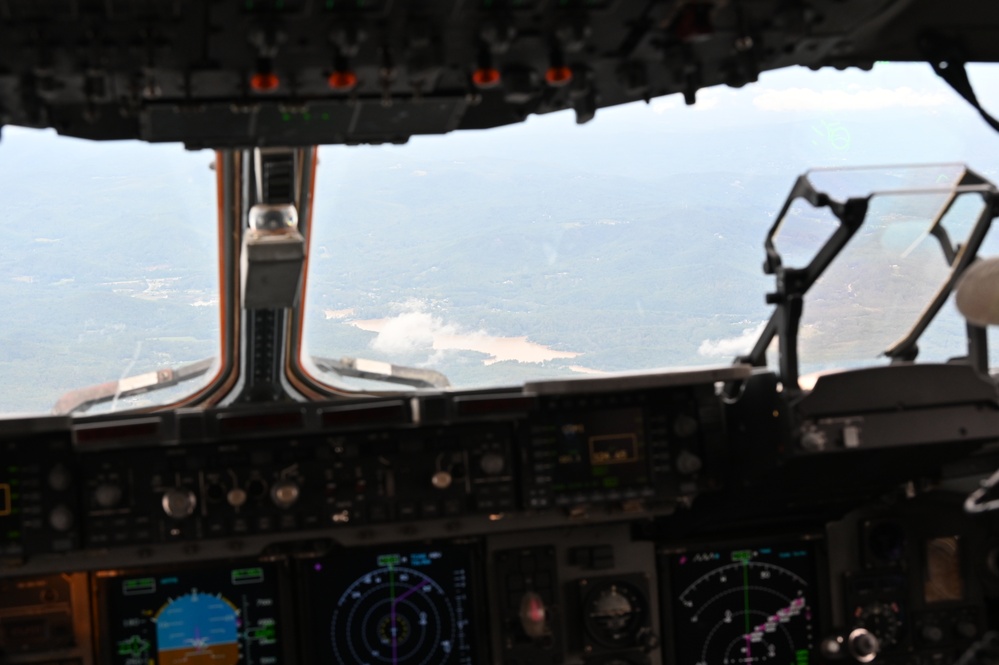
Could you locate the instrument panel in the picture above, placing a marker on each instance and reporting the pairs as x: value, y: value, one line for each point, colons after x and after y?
x: 590, y: 594
x: 629, y: 523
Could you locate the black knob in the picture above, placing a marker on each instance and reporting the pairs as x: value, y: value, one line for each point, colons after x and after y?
x: 216, y: 492
x: 492, y: 464
x: 61, y: 518
x: 685, y: 426
x: 688, y: 463
x: 932, y: 633
x: 255, y: 488
x: 179, y: 502
x: 967, y: 629
x: 107, y: 495
x: 862, y: 645
x: 60, y: 478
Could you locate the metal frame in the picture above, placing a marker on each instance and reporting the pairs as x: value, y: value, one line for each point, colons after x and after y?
x: 792, y: 284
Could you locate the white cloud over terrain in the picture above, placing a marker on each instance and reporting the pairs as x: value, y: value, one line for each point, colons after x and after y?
x: 731, y: 346
x: 409, y: 332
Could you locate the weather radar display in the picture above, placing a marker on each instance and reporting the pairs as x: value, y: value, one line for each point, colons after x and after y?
x: 225, y: 616
x: 744, y: 606
x: 392, y: 608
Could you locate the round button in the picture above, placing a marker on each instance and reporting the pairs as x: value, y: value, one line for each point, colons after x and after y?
x: 492, y: 464
x: 236, y: 497
x: 60, y: 478
x: 685, y: 426
x: 932, y: 633
x: 179, y: 502
x: 107, y: 496
x: 967, y: 629
x: 284, y: 493
x: 441, y: 480
x: 688, y: 463
x: 61, y: 518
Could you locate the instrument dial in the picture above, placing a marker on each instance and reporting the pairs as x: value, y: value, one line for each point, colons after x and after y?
x: 884, y: 620
x: 614, y: 612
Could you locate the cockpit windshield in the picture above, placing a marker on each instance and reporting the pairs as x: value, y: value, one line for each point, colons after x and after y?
x: 108, y: 268
x: 491, y: 257
x: 630, y: 243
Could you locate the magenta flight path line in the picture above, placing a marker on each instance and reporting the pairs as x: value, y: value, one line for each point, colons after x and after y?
x: 395, y: 601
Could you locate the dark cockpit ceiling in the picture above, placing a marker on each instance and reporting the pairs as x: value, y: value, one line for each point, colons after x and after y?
x: 244, y: 73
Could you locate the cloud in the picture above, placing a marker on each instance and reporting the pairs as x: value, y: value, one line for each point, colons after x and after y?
x: 853, y: 99
x: 731, y: 346
x: 409, y: 332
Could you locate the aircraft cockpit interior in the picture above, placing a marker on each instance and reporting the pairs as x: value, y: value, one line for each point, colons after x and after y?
x: 686, y: 356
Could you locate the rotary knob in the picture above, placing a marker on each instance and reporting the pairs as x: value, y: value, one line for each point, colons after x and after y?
x: 685, y: 426
x: 60, y: 478
x: 688, y: 463
x: 236, y: 497
x: 441, y: 480
x: 61, y: 518
x: 862, y: 645
x: 492, y: 464
x: 284, y: 493
x: 107, y: 495
x: 179, y: 502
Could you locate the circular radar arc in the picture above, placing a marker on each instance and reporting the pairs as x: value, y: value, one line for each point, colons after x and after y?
x: 394, y: 615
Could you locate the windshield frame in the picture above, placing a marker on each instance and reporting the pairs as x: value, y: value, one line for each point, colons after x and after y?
x: 793, y: 283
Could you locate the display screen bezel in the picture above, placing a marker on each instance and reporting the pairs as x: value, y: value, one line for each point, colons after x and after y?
x: 564, y: 476
x: 668, y: 588
x: 312, y: 626
x: 102, y: 582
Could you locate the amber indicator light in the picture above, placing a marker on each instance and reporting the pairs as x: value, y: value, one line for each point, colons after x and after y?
x: 558, y: 76
x: 486, y: 77
x: 264, y: 82
x: 342, y: 81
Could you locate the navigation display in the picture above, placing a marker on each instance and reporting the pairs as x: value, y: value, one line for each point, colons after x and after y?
x: 393, y: 606
x: 223, y: 616
x: 600, y: 451
x: 746, y: 605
